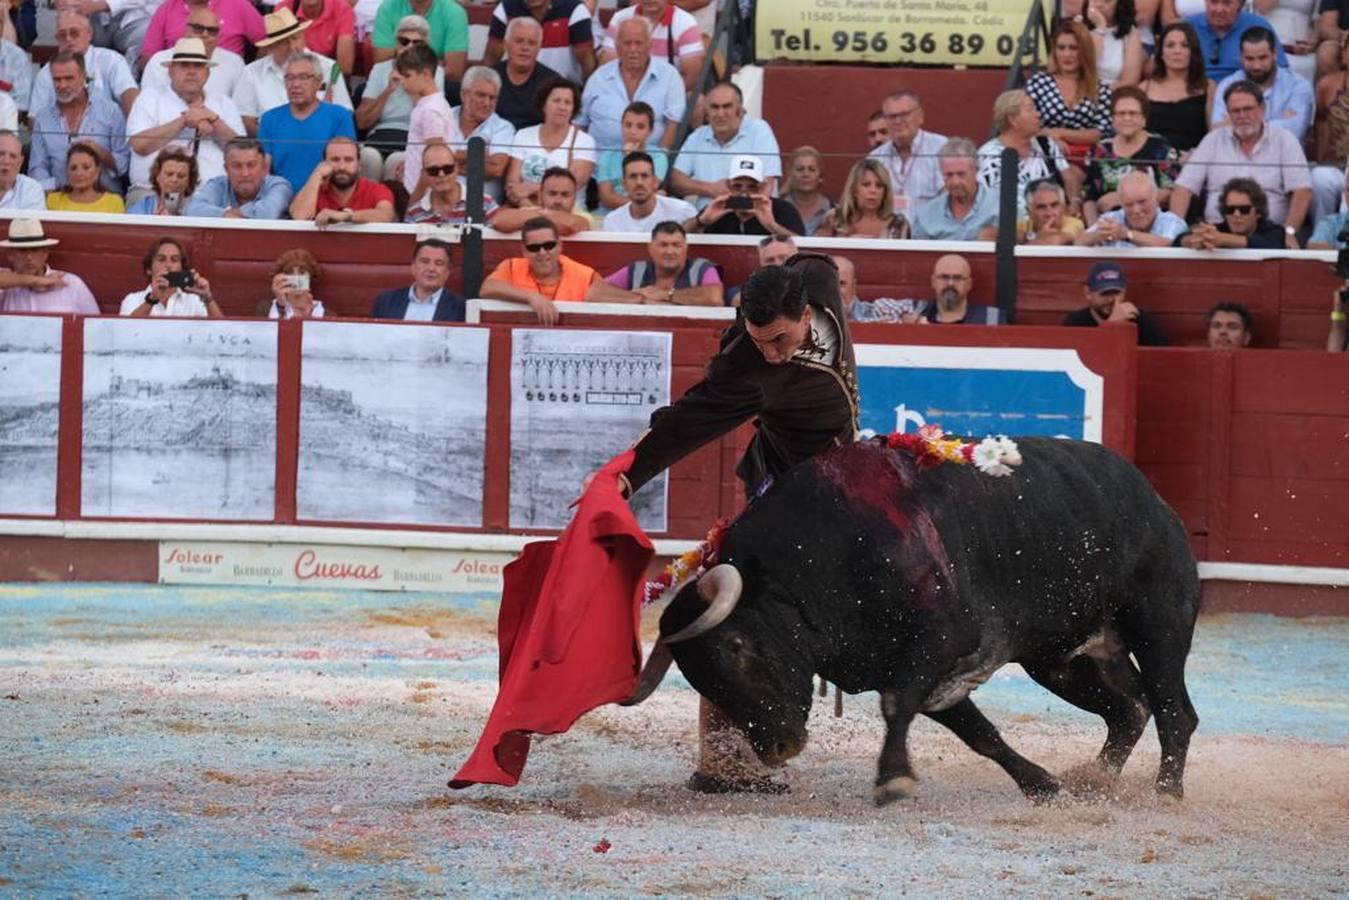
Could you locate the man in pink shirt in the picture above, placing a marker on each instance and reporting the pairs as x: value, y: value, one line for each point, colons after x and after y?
x: 240, y: 23
x: 432, y: 120
x: 30, y: 285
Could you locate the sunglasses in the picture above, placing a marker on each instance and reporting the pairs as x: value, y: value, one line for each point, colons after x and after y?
x: 438, y: 170
x: 543, y: 247
x: 406, y: 41
x: 203, y: 29
x: 1240, y: 209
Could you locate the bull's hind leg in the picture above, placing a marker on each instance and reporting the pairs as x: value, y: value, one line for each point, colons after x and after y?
x: 1106, y: 685
x: 970, y: 725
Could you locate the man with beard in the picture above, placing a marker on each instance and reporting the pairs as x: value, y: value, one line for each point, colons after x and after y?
x: 77, y: 115
x: 645, y: 207
x: 335, y: 191
x: 1290, y: 100
x: 107, y: 70
x: 1106, y: 305
x: 951, y: 283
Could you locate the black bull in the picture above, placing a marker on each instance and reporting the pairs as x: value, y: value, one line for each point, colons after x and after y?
x: 878, y: 576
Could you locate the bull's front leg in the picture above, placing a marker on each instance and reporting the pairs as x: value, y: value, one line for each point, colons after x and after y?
x: 895, y: 779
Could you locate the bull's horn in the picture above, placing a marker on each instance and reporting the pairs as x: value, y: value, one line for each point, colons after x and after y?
x: 720, y: 587
x: 657, y: 664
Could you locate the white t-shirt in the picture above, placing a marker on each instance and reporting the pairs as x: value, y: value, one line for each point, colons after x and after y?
x: 275, y: 311
x: 535, y: 160
x: 223, y: 77
x: 188, y: 306
x: 666, y: 208
x: 157, y: 107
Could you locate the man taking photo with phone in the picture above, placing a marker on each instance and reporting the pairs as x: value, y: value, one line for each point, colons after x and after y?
x: 748, y: 208
x: 175, y: 288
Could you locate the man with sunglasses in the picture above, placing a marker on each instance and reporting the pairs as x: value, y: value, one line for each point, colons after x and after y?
x: 227, y: 67
x: 386, y: 107
x: 445, y: 201
x: 335, y: 192
x: 544, y: 275
x: 1220, y: 27
x: 1245, y: 224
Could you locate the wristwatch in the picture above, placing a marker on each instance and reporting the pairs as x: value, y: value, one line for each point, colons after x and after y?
x: 1289, y: 230
x: 669, y: 295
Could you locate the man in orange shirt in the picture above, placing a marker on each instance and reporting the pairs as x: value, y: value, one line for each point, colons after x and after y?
x: 543, y: 275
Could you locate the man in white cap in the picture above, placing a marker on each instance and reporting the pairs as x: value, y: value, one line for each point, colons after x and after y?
x: 202, y: 22
x: 107, y: 70
x: 30, y: 285
x: 263, y: 85
x: 746, y: 207
x: 184, y: 116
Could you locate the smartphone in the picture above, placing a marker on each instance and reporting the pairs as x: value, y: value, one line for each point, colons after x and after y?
x: 180, y: 279
x: 739, y: 202
x: 298, y: 282
x: 173, y: 201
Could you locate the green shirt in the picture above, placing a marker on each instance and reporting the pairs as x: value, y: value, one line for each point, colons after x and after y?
x: 449, y: 25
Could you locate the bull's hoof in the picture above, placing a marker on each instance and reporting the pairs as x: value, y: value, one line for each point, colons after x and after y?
x: 1170, y: 791
x: 1041, y: 792
x: 1091, y: 781
x: 896, y: 788
x: 715, y: 784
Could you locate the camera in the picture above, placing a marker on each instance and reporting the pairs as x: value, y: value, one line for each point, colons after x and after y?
x: 299, y: 282
x: 739, y: 202
x: 180, y: 279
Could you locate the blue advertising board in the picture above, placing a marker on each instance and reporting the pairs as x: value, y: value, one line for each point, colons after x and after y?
x: 979, y: 391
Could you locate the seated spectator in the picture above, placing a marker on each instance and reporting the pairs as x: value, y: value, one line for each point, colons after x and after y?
x: 335, y: 192
x: 1332, y: 29
x: 1248, y: 146
x: 703, y: 168
x: 30, y: 285
x: 1245, y: 224
x: 568, y: 34
x: 522, y: 75
x: 1179, y: 95
x: 9, y: 112
x: 1219, y: 28
x: 184, y: 298
x: 83, y: 191
x: 952, y: 282
x: 634, y: 75
x: 910, y: 155
x: 77, y: 115
x: 1141, y: 222
x: 1048, y: 223
x: 17, y: 191
x: 645, y: 208
x: 295, y: 134
x: 557, y: 191
x: 878, y: 133
x: 1117, y: 40
x: 1328, y: 229
x: 1290, y: 102
x: 431, y: 118
x: 203, y: 24
x: 426, y: 299
x: 1104, y: 289
x: 333, y: 31
x: 557, y: 142
x: 445, y: 201
x: 801, y: 187
x: 867, y: 208
x: 16, y: 71
x: 884, y: 310
x: 1336, y: 342
x: 637, y: 121
x: 184, y: 117
x: 747, y: 208
x: 1071, y: 73
x: 386, y: 107
x: 245, y: 191
x: 675, y: 37
x: 964, y: 208
x: 240, y: 25
x: 667, y: 275
x: 262, y: 87
x: 174, y: 176
x: 1332, y: 134
x: 109, y: 75
x: 1129, y: 149
x: 448, y: 37
x: 1230, y: 326
x: 476, y: 117
x: 294, y: 277
x: 773, y: 250
x: 1016, y: 123
x: 543, y: 275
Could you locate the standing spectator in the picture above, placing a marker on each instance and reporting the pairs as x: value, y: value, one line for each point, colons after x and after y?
x: 801, y: 187
x: 675, y: 37
x: 426, y: 299
x: 263, y: 84
x: 557, y: 142
x: 866, y: 209
x: 568, y: 46
x: 431, y: 119
x: 645, y: 208
x: 245, y: 191
x: 77, y: 115
x: 173, y: 175
x: 634, y: 75
x: 1290, y: 102
x: 638, y: 119
x: 107, y: 70
x: 747, y: 207
x: 965, y: 207
x: 668, y: 275
x: 294, y: 276
x: 557, y: 203
x: 444, y: 202
x: 1139, y: 222
x: 335, y: 192
x: 1230, y: 326
x: 17, y: 191
x: 522, y: 75
x: 702, y: 168
x: 1131, y: 148
x: 1106, y: 305
x: 448, y: 36
x: 1074, y: 103
x: 228, y: 68
x: 1016, y: 123
x: 240, y: 24
x: 16, y: 73
x: 294, y: 135
x: 386, y: 107
x: 1117, y: 40
x: 30, y: 285
x: 544, y: 275
x: 184, y: 116
x: 334, y: 29
x: 878, y: 133
x: 1245, y: 224
x: 1179, y: 94
x: 1219, y: 28
x: 476, y: 117
x: 910, y: 156
x: 1048, y: 223
x: 82, y: 191
x: 1248, y: 146
x: 160, y: 297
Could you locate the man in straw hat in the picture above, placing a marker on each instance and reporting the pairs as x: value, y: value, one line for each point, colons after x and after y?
x: 184, y: 116
x: 30, y: 285
x: 263, y: 85
x: 202, y: 23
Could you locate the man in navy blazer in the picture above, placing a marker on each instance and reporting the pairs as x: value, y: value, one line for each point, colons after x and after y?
x: 426, y: 299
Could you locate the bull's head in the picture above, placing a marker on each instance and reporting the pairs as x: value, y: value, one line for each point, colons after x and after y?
x: 736, y: 657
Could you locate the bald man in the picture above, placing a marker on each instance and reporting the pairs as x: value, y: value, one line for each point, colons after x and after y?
x: 1139, y: 222
x: 952, y: 282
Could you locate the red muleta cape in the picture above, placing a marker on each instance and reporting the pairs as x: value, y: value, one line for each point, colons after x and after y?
x: 568, y: 629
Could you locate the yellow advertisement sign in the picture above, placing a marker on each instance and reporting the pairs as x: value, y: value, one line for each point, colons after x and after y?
x: 935, y: 32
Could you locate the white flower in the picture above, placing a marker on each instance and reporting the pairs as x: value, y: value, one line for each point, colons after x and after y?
x: 1011, y: 455
x: 988, y: 457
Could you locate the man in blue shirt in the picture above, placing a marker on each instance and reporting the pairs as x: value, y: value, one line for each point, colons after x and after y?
x: 245, y: 191
x: 702, y: 169
x: 98, y: 123
x: 656, y: 82
x: 294, y: 135
x: 1220, y: 27
x: 965, y: 207
x: 1290, y: 100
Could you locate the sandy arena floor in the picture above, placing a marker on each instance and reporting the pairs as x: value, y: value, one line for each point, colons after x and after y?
x: 170, y: 742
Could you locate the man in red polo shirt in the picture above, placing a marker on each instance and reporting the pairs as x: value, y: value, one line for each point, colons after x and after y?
x: 336, y: 192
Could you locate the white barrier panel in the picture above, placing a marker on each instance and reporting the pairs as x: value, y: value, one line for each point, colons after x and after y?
x: 30, y: 413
